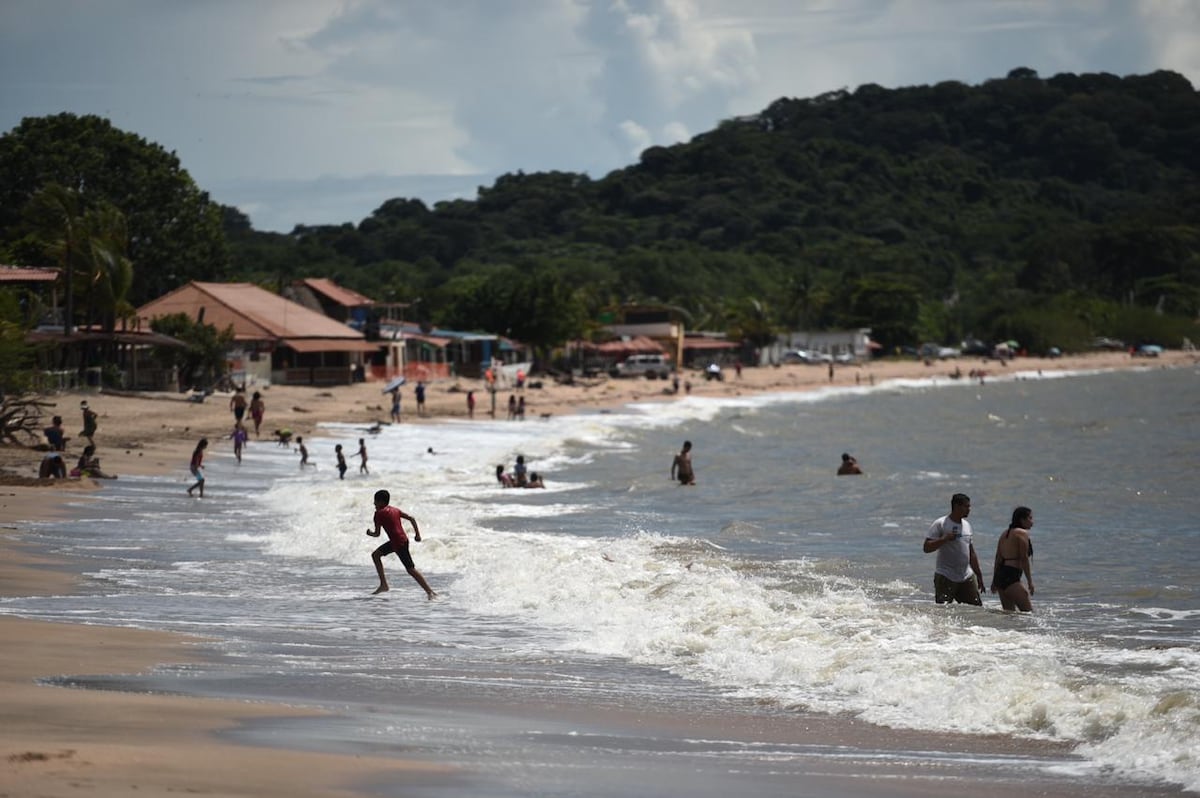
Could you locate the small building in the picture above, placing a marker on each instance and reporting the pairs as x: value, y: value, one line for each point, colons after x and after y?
x: 425, y: 354
x: 327, y: 297
x: 31, y: 287
x: 660, y: 323
x: 275, y: 340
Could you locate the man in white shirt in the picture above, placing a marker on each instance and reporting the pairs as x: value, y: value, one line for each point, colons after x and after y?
x: 950, y: 537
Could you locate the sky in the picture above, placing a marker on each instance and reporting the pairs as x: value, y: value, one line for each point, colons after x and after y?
x: 318, y: 111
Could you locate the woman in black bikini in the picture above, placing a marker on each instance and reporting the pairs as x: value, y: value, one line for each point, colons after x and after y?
x: 1013, y: 551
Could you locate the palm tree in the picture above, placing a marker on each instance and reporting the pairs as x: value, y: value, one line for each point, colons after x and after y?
x: 53, y: 213
x: 109, y: 270
x: 86, y: 244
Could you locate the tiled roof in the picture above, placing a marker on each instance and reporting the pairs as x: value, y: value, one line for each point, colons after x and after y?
x: 21, y: 274
x: 256, y: 314
x: 342, y: 296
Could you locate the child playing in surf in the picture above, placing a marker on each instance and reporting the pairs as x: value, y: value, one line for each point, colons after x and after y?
x: 389, y: 519
x: 341, y: 462
x: 303, y: 453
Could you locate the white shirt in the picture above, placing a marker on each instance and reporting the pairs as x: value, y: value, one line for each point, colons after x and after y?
x: 953, y: 559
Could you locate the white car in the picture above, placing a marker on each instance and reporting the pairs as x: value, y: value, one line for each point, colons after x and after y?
x: 648, y: 366
x: 805, y: 356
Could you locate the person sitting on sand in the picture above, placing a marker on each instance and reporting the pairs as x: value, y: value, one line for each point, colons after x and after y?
x: 849, y: 466
x: 52, y: 467
x: 89, y: 465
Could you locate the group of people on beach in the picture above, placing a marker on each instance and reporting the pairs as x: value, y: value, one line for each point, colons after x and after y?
x: 957, y: 575
x: 54, y: 466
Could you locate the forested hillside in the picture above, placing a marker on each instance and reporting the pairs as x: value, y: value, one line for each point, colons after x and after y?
x: 1047, y: 210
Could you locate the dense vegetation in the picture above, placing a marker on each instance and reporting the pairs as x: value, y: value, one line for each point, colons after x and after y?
x: 1046, y: 210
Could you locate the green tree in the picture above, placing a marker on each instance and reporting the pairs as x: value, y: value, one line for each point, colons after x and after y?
x: 174, y: 229
x: 203, y: 360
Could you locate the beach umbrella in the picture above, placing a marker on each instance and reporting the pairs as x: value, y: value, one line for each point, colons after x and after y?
x: 394, y: 384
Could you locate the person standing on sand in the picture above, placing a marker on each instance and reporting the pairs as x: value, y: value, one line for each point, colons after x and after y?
x: 1013, y: 550
x: 89, y: 422
x: 54, y: 435
x: 362, y: 452
x: 396, y: 406
x: 950, y: 537
x: 341, y: 461
x: 681, y: 466
x: 197, y: 466
x: 257, y: 409
x: 237, y: 403
x: 390, y: 519
x: 419, y: 391
x: 470, y: 404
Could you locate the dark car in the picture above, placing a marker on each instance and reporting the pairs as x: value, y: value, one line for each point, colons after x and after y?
x: 973, y: 346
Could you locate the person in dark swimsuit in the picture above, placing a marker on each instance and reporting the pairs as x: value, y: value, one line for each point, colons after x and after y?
x: 1013, y: 551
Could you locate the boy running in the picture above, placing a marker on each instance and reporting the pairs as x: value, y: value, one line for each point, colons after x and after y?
x: 389, y: 519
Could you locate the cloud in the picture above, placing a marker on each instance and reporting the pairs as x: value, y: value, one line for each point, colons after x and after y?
x: 432, y: 97
x: 639, y: 138
x: 1173, y: 30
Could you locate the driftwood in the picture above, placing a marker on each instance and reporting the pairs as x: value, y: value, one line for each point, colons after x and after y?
x: 21, y: 421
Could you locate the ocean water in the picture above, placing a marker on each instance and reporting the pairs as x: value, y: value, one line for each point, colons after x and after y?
x: 771, y: 584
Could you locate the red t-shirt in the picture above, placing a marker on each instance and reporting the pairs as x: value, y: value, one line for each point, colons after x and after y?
x: 389, y: 518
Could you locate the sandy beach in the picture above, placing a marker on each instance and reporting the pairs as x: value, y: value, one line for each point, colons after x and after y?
x: 57, y: 741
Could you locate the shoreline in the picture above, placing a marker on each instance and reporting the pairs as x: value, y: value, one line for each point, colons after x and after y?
x: 57, y: 738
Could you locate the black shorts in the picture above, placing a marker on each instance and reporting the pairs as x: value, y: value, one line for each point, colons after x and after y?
x: 239, y: 413
x: 402, y: 553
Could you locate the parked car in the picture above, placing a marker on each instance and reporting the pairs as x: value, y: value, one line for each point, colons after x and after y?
x: 648, y: 366
x: 806, y: 356
x: 938, y: 351
x: 713, y: 372
x: 1107, y: 343
x: 973, y: 346
x: 1147, y: 350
